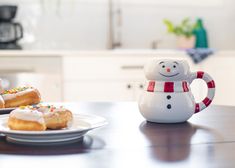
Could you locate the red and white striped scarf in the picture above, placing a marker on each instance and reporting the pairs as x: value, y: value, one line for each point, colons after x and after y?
x: 160, y: 86
x: 183, y: 86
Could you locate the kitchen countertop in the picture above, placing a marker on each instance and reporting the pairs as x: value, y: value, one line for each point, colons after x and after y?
x: 206, y: 140
x: 134, y: 52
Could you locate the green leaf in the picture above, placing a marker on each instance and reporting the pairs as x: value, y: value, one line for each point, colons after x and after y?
x: 169, y: 25
x: 185, y: 22
x: 185, y: 28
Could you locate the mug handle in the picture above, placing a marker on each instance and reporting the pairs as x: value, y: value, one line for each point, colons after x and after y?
x: 19, y: 31
x: 211, y: 89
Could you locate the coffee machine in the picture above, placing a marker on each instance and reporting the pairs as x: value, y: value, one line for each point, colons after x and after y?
x: 10, y: 32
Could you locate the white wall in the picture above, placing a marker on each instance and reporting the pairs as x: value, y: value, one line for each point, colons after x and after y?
x: 143, y: 23
x: 67, y: 25
x: 83, y: 24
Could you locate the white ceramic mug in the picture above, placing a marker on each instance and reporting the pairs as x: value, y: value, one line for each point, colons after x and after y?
x: 167, y: 97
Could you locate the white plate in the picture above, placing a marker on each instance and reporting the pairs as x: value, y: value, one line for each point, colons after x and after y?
x: 82, y: 123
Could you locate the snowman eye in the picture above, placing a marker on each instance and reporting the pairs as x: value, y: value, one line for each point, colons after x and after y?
x: 163, y: 66
x: 174, y: 66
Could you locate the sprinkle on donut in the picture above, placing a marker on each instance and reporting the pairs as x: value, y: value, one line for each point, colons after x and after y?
x: 47, y: 108
x: 45, y: 116
x: 15, y: 90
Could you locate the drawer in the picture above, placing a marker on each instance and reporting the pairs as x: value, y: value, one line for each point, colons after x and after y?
x: 103, y: 67
x: 37, y: 64
x: 109, y: 67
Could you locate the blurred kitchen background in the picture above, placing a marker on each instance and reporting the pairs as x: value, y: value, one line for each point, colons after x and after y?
x: 95, y: 50
x: 85, y: 24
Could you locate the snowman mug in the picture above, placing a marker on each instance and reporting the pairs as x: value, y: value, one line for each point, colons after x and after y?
x: 167, y: 97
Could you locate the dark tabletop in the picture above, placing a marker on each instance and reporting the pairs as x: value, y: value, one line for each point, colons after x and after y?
x: 206, y: 140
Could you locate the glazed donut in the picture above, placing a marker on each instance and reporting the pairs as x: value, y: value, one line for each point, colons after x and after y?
x: 56, y: 118
x: 2, y: 102
x: 39, y: 118
x: 21, y: 96
x: 26, y: 119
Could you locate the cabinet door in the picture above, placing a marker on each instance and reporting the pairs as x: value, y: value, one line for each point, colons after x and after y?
x: 138, y: 89
x: 98, y: 91
x: 48, y: 85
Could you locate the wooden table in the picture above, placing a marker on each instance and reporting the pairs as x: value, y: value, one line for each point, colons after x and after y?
x: 206, y: 140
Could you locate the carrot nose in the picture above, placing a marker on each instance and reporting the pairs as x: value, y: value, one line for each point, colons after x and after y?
x: 168, y: 70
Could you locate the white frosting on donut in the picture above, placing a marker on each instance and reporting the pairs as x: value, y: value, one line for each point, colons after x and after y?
x: 1, y: 87
x: 28, y: 115
x: 45, y: 109
x: 12, y: 96
x: 60, y: 109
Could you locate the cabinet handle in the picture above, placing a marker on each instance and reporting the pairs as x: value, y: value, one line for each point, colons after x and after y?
x: 128, y: 86
x: 141, y: 86
x: 132, y: 67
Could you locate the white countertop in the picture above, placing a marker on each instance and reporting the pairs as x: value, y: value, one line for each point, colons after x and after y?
x: 86, y: 52
x: 134, y: 52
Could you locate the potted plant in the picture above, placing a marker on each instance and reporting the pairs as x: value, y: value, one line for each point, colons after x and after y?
x: 184, y: 32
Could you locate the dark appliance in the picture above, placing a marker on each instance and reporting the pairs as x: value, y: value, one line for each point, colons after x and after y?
x: 10, y: 32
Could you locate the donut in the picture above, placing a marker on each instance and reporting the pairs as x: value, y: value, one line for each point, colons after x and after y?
x: 39, y: 118
x: 2, y: 102
x: 56, y: 118
x: 26, y: 119
x: 21, y: 96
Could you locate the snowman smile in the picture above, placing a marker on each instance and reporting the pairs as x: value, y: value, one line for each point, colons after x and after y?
x: 168, y: 75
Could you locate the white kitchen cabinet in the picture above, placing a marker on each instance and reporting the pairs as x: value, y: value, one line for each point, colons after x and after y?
x: 112, y: 77
x: 106, y: 75
x: 103, y: 67
x: 85, y: 90
x: 40, y: 71
x: 103, y: 91
x: 102, y: 78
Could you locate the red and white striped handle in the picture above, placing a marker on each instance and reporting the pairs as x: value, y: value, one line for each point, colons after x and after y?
x: 211, y: 90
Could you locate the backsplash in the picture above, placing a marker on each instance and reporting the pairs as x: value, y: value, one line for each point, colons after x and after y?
x: 84, y: 24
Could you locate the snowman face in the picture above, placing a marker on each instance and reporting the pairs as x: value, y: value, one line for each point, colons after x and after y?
x: 167, y: 70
